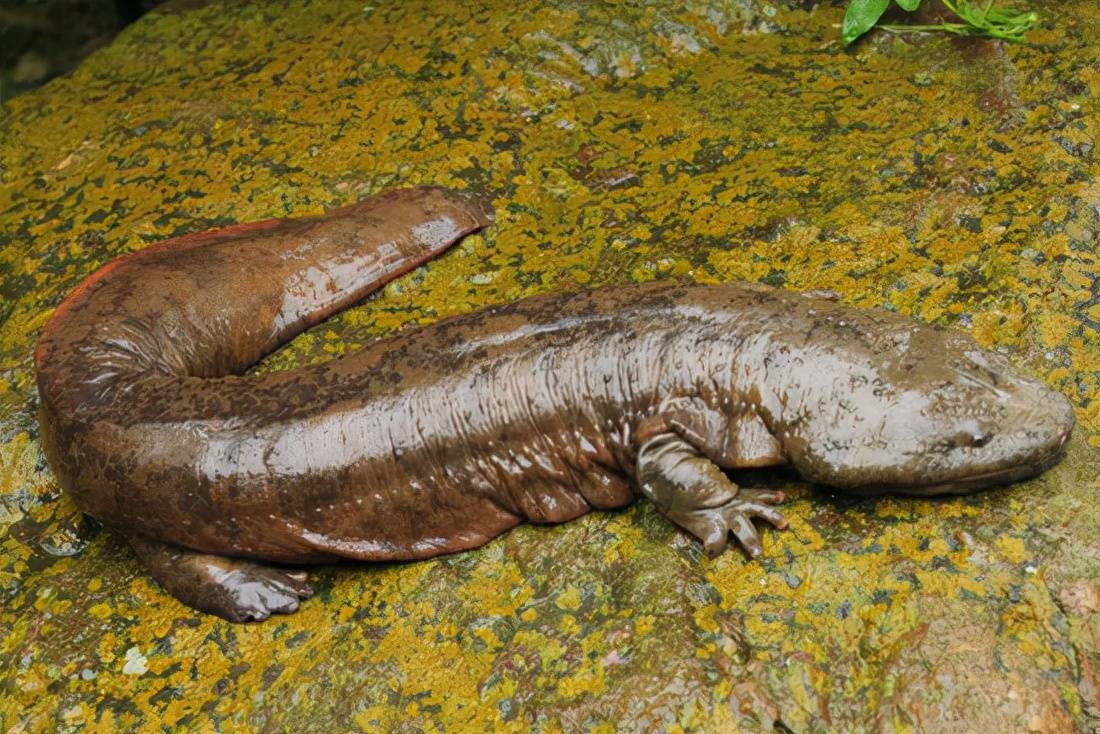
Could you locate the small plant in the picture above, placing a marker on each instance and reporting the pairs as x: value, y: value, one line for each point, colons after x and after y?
x: 979, y: 18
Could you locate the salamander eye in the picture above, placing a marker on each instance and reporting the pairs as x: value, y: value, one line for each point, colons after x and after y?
x: 977, y: 439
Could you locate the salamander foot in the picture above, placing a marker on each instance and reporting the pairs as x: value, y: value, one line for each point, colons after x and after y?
x: 695, y: 494
x: 713, y: 526
x: 237, y: 590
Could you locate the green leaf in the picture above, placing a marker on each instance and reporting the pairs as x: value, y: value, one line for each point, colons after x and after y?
x: 860, y: 16
x: 979, y: 18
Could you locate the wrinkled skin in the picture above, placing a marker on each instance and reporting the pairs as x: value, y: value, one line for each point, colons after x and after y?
x: 438, y: 439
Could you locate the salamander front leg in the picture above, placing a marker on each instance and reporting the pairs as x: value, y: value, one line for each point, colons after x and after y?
x: 237, y: 590
x: 694, y: 493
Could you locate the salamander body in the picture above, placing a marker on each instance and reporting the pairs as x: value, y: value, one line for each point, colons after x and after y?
x: 440, y: 438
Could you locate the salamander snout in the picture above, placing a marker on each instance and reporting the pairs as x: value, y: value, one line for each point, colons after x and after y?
x: 1000, y: 431
x: 944, y: 417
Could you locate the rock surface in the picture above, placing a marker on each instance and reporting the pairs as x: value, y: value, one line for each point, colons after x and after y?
x: 953, y: 180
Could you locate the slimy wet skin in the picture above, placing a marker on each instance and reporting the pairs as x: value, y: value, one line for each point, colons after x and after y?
x: 438, y: 439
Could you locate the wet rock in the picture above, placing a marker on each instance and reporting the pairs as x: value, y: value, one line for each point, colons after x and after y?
x: 952, y: 180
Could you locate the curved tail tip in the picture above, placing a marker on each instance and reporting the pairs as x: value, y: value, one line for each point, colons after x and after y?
x: 485, y: 211
x: 477, y: 206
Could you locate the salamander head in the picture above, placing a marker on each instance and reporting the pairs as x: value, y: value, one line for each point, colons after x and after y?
x: 918, y: 410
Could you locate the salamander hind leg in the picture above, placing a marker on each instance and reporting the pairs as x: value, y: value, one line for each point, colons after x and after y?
x: 693, y: 492
x: 237, y: 590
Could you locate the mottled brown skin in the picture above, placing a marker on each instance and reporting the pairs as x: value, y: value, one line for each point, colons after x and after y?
x: 438, y: 439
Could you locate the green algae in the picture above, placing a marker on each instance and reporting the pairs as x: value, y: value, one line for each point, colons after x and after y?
x: 714, y: 141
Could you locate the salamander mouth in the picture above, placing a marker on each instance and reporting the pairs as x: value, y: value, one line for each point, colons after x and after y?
x: 974, y: 482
